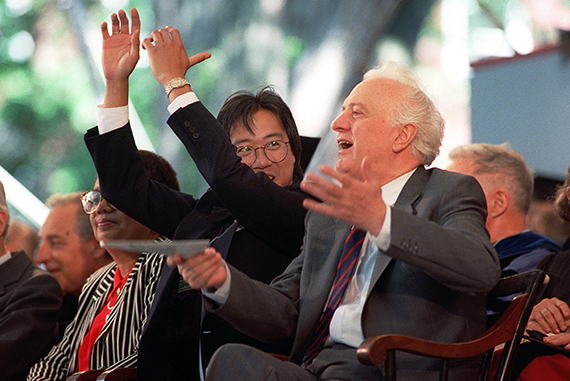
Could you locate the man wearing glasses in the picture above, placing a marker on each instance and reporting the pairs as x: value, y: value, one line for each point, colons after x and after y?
x: 253, y: 211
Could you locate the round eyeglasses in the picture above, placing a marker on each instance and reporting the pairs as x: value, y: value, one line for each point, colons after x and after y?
x: 91, y: 201
x: 276, y: 151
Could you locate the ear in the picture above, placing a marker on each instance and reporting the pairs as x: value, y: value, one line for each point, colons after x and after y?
x: 405, y: 135
x: 498, y: 203
x: 3, y: 222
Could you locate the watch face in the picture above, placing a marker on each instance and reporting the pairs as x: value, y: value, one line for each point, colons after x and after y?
x: 175, y: 83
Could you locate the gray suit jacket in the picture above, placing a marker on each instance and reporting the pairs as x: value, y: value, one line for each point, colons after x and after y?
x: 430, y: 283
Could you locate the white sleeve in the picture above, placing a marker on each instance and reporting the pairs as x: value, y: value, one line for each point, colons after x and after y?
x: 109, y: 119
x: 182, y: 101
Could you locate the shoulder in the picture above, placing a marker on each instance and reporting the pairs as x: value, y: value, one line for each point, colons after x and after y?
x: 452, y: 184
x: 99, y: 274
x: 444, y: 177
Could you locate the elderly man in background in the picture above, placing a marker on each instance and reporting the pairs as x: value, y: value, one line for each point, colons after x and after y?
x: 508, y: 184
x: 69, y: 250
x: 30, y: 300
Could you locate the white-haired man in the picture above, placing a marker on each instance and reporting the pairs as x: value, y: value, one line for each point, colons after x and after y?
x: 422, y: 262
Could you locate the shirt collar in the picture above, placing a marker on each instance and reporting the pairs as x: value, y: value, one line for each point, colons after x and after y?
x: 5, y: 258
x: 391, y: 190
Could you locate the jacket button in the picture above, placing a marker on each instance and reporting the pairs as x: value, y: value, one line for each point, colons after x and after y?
x: 186, y: 123
x: 195, y: 135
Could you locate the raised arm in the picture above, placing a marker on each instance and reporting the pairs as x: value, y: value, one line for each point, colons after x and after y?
x: 273, y: 213
x: 120, y: 55
x: 168, y: 58
x: 124, y: 181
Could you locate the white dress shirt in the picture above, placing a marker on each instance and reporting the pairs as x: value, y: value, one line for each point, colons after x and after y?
x: 109, y: 119
x: 345, y: 326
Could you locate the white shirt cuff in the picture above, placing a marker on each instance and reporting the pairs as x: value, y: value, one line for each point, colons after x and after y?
x: 182, y: 101
x: 109, y: 119
x: 383, y: 238
x: 221, y: 294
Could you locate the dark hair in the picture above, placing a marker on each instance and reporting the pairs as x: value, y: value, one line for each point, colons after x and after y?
x: 158, y: 169
x: 242, y: 105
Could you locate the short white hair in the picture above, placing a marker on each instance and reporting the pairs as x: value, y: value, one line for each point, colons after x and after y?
x: 417, y: 108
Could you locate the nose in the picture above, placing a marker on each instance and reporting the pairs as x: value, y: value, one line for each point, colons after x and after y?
x: 261, y: 160
x: 104, y: 207
x: 42, y: 255
x: 341, y: 122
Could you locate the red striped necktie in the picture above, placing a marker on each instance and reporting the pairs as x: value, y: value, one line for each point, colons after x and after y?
x: 344, y: 272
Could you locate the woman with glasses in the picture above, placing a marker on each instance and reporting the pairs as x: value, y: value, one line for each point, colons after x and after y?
x: 253, y: 212
x: 115, y: 301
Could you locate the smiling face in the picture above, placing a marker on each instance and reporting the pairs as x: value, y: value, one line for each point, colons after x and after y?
x: 364, y: 128
x: 62, y: 251
x: 266, y: 127
x: 110, y: 224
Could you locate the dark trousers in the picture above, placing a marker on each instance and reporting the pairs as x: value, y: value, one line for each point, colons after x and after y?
x: 240, y: 362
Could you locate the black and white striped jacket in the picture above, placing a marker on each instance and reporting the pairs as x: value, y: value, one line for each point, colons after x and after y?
x: 117, y: 345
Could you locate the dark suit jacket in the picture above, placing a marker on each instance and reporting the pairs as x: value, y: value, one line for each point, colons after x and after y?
x: 430, y: 283
x: 269, y: 236
x: 30, y: 300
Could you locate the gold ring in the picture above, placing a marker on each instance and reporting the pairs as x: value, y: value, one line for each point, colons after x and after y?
x: 544, y: 311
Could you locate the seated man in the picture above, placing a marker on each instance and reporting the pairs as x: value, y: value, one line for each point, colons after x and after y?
x: 253, y: 212
x: 115, y: 301
x: 508, y: 185
x: 69, y: 250
x: 414, y: 238
x: 30, y: 300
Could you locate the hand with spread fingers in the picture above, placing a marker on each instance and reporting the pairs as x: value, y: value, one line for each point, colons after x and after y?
x: 167, y: 55
x: 550, y: 316
x: 357, y: 202
x: 206, y: 270
x: 120, y: 55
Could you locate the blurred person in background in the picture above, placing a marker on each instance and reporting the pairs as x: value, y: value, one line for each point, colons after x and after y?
x: 69, y: 250
x: 22, y: 236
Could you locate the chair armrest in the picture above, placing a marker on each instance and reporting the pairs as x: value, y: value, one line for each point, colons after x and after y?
x: 373, y: 351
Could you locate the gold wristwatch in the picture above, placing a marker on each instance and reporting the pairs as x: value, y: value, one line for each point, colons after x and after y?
x: 175, y: 83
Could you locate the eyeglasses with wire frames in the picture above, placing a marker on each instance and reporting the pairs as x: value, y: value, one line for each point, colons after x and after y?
x: 276, y: 151
x: 91, y: 201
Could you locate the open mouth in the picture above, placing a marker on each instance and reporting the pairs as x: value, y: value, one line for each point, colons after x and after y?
x: 343, y: 144
x: 271, y: 177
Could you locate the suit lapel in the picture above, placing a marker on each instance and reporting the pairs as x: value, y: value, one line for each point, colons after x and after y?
x: 412, y: 191
x: 409, y: 196
x: 322, y: 266
x: 223, y: 241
